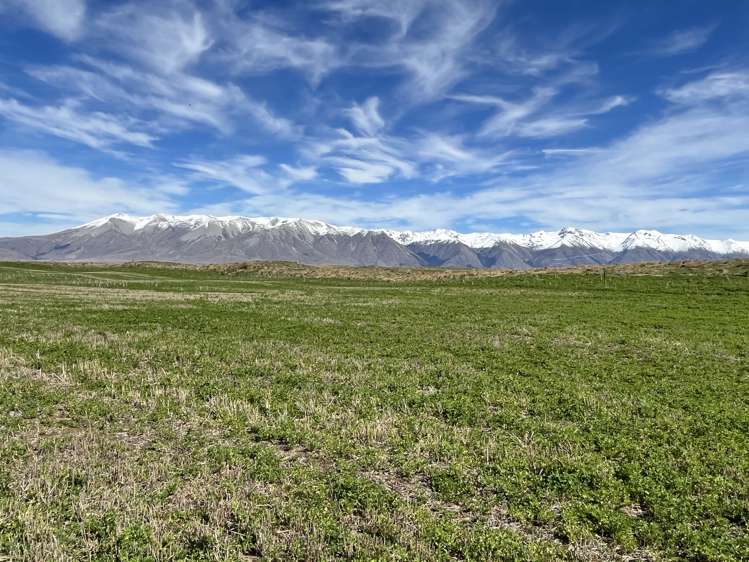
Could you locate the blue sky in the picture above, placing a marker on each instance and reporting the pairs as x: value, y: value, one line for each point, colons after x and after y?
x: 465, y: 114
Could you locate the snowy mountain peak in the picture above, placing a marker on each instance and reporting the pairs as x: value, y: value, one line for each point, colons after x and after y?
x: 234, y: 224
x: 571, y: 231
x: 652, y: 239
x: 429, y: 236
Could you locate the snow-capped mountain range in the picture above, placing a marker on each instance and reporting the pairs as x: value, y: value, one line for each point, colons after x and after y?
x: 540, y: 240
x: 576, y: 237
x: 204, y: 239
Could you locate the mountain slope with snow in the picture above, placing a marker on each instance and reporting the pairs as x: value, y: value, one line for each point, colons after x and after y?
x: 207, y: 239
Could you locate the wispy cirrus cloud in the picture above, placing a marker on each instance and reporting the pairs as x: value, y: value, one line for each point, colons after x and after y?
x: 180, y: 99
x: 539, y: 55
x: 62, y: 18
x: 159, y: 42
x: 436, y: 62
x: 682, y: 41
x: 569, y: 151
x: 531, y: 118
x: 244, y: 172
x: 509, y: 114
x: 250, y: 173
x: 94, y: 129
x: 520, y: 60
x: 166, y: 37
x: 435, y: 58
x: 260, y: 45
x: 368, y: 156
x: 371, y: 154
x: 608, y: 104
x: 365, y: 159
x: 296, y: 174
x: 398, y: 12
x: 366, y: 116
x: 446, y: 156
x: 723, y: 85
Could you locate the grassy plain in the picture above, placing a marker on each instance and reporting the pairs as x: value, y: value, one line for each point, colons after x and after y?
x: 281, y: 412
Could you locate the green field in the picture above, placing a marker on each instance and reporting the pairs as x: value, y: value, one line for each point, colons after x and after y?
x: 288, y: 413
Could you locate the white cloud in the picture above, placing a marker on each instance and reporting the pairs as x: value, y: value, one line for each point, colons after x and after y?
x: 682, y: 41
x: 366, y: 117
x: 449, y: 156
x: 722, y: 85
x: 165, y: 36
x: 33, y: 182
x: 250, y: 173
x: 539, y: 55
x: 94, y: 129
x: 509, y: 114
x: 258, y: 46
x: 553, y: 126
x: 679, y: 144
x: 374, y: 156
x: 432, y: 41
x: 513, y: 57
x: 401, y: 12
x: 263, y: 115
x: 569, y: 151
x: 531, y: 118
x: 244, y: 172
x: 164, y: 42
x: 364, y: 159
x: 362, y: 171
x: 180, y: 99
x: 436, y: 57
x: 63, y: 18
x: 436, y: 62
x: 611, y: 103
x: 299, y: 173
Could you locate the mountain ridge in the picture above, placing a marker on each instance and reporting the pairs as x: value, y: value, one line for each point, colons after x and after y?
x: 210, y: 239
